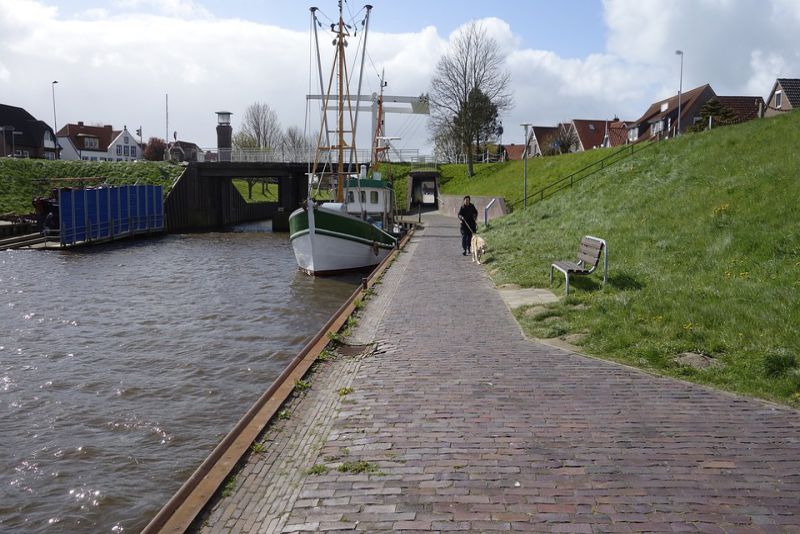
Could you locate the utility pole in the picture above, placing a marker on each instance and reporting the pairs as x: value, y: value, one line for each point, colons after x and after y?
x: 680, y: 89
x: 55, y: 122
x: 525, y: 167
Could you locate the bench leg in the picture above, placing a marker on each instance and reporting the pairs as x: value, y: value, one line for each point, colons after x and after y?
x: 551, y: 276
x: 566, y: 275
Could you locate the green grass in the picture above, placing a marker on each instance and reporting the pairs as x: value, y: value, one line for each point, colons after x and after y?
x: 704, y: 256
x: 269, y: 193
x: 506, y: 179
x: 23, y: 179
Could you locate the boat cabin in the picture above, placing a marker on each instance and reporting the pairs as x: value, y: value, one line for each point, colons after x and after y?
x: 371, y: 197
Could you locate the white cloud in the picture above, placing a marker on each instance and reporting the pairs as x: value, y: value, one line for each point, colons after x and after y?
x: 115, y: 64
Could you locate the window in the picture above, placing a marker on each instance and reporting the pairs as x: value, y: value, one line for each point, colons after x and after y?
x: 119, y: 159
x: 126, y: 139
x: 126, y: 150
x: 373, y: 197
x: 133, y: 151
x: 91, y: 142
x: 119, y: 150
x: 94, y: 158
x: 85, y: 158
x: 363, y: 197
x: 591, y: 127
x: 778, y: 95
x: 350, y: 197
x: 664, y: 107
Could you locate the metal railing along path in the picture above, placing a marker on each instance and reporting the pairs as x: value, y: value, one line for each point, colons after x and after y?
x: 585, y: 172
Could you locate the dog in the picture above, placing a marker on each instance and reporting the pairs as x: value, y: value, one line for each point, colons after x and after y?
x: 478, y: 247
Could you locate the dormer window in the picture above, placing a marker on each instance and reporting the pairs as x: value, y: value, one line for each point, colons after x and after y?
x: 664, y: 107
x: 91, y: 142
x: 592, y: 128
x: 778, y: 95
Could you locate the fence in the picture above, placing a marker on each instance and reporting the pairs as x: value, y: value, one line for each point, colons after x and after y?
x: 285, y: 155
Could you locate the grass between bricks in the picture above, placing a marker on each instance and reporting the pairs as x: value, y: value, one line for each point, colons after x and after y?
x: 704, y: 256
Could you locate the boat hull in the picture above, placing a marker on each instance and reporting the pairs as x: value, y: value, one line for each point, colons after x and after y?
x: 336, y: 242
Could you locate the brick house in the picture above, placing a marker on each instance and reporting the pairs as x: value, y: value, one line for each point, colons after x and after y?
x: 97, y: 143
x: 661, y: 118
x: 785, y: 96
x: 542, y: 138
x: 23, y: 136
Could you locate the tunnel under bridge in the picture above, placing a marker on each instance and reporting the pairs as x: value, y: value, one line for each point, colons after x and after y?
x: 205, y: 198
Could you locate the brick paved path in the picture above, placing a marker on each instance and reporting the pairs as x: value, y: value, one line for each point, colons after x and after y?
x: 471, y: 427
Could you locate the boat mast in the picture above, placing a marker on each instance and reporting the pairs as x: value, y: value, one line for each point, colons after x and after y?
x: 340, y: 44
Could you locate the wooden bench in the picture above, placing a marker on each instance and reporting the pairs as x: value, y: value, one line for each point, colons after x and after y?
x: 588, y: 258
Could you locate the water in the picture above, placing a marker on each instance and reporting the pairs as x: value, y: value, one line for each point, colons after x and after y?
x: 122, y: 366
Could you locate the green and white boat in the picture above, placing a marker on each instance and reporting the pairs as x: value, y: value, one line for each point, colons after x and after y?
x: 350, y: 233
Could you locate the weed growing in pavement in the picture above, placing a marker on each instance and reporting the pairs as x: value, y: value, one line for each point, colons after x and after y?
x: 358, y: 304
x: 336, y: 338
x: 302, y: 385
x: 325, y: 355
x: 230, y: 486
x: 284, y: 414
x: 358, y: 467
x: 318, y: 469
x: 345, y: 391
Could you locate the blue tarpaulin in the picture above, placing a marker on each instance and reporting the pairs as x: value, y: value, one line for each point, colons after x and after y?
x: 106, y: 213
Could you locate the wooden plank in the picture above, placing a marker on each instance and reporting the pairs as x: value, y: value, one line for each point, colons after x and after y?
x: 589, y: 259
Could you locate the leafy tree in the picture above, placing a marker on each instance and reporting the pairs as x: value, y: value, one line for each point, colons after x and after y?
x: 718, y: 114
x: 155, y: 149
x: 470, y: 85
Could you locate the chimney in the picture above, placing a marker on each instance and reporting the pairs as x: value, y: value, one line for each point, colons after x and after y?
x: 80, y: 123
x: 224, y: 135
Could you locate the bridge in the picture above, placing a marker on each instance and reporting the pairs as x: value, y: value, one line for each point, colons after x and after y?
x: 204, y: 197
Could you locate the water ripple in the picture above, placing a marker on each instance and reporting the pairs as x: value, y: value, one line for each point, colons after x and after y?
x: 126, y: 363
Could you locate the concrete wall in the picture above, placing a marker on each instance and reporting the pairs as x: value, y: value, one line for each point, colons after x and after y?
x: 450, y: 204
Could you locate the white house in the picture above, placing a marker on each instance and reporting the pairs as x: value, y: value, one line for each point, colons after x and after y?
x: 98, y: 143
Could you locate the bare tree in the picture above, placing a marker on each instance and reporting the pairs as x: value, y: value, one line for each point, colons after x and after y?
x: 447, y: 147
x: 261, y: 124
x: 473, y: 66
x: 566, y: 138
x: 295, y: 144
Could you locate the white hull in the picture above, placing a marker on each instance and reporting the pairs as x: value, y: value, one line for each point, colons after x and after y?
x: 318, y: 254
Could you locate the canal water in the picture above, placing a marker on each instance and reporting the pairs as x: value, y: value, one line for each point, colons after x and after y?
x: 122, y: 366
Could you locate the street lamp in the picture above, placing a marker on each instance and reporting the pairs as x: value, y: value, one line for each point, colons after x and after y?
x: 55, y: 122
x: 680, y: 88
x: 525, y: 167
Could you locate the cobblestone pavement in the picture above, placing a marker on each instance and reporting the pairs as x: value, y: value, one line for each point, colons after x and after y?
x: 461, y: 424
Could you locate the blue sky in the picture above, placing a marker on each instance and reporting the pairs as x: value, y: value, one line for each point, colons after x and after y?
x: 116, y: 59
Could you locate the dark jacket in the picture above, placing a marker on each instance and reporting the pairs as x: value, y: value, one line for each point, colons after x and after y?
x: 468, y: 215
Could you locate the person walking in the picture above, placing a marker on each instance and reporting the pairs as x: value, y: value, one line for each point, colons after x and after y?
x: 468, y: 215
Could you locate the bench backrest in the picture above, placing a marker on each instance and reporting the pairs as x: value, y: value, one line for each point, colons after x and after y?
x: 589, y: 253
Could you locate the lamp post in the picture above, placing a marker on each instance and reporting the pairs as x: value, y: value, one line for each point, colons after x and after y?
x: 680, y: 88
x: 55, y: 122
x: 525, y: 167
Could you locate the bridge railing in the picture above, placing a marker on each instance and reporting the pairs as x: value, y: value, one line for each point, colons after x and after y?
x: 285, y: 155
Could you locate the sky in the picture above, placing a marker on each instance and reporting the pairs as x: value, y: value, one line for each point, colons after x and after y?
x: 115, y: 60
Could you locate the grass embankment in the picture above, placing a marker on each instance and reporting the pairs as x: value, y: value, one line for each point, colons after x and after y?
x: 704, y: 256
x: 23, y: 179
x: 506, y: 179
x: 261, y: 192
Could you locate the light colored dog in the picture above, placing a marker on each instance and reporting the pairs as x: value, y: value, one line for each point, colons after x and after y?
x: 478, y: 247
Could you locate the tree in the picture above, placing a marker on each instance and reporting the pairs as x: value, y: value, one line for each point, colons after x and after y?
x: 566, y: 138
x: 261, y: 125
x: 446, y: 145
x: 468, y: 76
x: 295, y: 144
x: 714, y: 110
x: 154, y: 149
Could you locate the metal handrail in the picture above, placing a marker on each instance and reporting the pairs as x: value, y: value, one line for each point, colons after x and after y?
x: 486, y: 212
x: 541, y: 193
